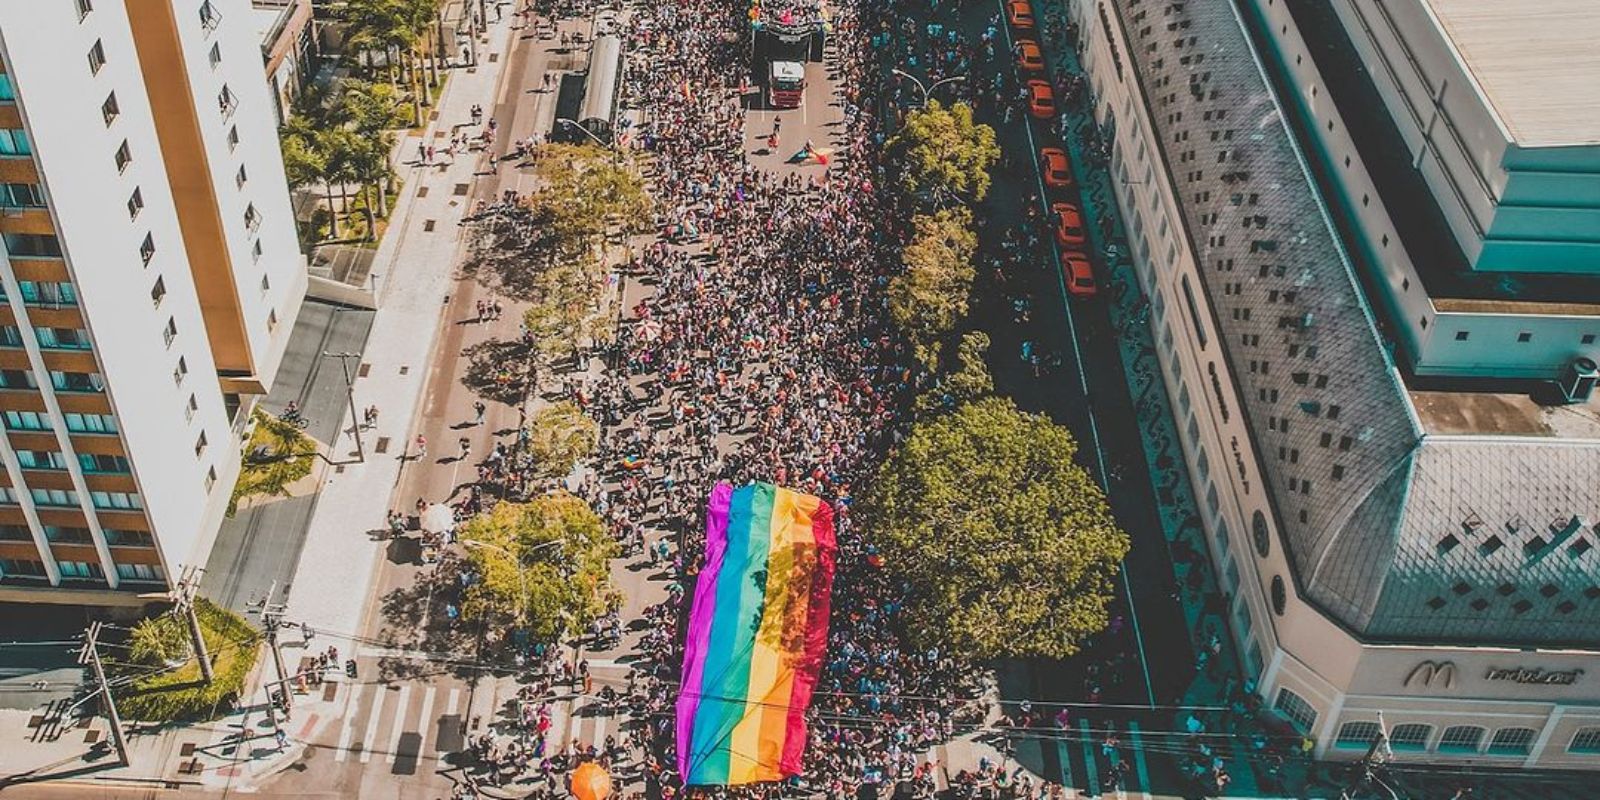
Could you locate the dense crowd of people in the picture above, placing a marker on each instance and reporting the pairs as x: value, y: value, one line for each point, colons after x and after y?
x: 764, y: 354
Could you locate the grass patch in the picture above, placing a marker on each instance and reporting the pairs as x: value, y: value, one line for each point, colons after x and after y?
x: 176, y: 692
x: 277, y: 455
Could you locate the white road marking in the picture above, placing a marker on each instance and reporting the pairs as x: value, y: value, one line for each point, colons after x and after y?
x: 1139, y: 767
x: 455, y: 700
x: 399, y: 725
x: 372, y: 724
x: 425, y: 719
x: 347, y: 729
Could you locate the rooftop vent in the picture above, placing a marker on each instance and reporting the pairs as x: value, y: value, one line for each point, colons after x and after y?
x: 1578, y: 380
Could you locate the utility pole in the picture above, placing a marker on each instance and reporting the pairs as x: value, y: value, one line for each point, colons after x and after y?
x: 90, y: 654
x: 271, y: 618
x: 184, y: 596
x: 350, y: 396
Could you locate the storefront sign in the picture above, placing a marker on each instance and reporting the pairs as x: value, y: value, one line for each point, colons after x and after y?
x: 1429, y: 673
x: 1534, y: 675
x: 1238, y: 464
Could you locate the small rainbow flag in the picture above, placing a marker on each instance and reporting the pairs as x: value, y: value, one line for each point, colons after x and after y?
x: 758, y: 629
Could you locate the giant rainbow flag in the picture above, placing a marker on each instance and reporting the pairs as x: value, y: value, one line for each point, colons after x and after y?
x: 758, y: 628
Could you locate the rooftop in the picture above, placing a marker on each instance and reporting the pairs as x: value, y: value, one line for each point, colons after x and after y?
x: 1535, y: 60
x: 1508, y: 412
x: 1361, y: 489
x: 1447, y: 277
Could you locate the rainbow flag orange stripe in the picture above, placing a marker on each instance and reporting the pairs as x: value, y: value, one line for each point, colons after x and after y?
x: 758, y: 629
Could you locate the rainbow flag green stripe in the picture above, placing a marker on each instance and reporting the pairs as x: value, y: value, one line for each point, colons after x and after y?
x: 758, y: 629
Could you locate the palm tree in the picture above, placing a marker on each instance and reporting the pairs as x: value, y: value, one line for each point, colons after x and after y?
x: 305, y: 163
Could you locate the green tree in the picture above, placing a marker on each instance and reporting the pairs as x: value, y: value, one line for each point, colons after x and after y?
x: 277, y: 455
x: 969, y: 380
x: 544, y: 564
x: 929, y: 298
x: 305, y: 163
x: 559, y: 435
x: 942, y: 151
x: 160, y: 641
x: 1005, y: 545
x: 582, y: 190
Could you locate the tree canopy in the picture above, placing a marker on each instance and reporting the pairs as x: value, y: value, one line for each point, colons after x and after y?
x: 1006, y: 546
x: 544, y: 564
x: 558, y: 436
x: 968, y: 379
x: 944, y: 151
x: 929, y: 299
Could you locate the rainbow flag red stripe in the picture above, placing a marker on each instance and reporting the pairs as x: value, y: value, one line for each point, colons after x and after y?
x: 758, y: 629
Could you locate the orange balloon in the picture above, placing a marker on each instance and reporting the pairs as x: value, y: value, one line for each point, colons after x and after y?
x: 590, y: 782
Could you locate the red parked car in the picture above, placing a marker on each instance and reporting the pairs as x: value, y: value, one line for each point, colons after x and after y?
x: 1054, y: 166
x: 1041, y: 100
x: 1079, y: 277
x: 1069, y: 225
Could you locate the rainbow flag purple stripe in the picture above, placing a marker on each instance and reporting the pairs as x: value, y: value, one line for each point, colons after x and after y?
x: 758, y: 629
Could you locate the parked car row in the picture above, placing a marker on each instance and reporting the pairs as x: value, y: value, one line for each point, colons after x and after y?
x: 1054, y: 166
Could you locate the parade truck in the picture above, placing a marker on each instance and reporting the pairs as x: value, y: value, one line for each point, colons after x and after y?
x: 784, y: 35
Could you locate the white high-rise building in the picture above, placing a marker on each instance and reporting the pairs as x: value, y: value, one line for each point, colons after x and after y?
x: 151, y: 278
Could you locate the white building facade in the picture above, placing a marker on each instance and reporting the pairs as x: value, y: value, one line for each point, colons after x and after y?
x: 152, y: 276
x: 1385, y: 548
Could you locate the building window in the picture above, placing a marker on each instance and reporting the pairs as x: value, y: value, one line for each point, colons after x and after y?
x: 272, y: 320
x: 116, y: 500
x: 17, y: 379
x: 170, y: 332
x: 84, y: 7
x: 200, y: 445
x: 28, y: 421
x: 266, y: 285
x: 1261, y: 534
x: 209, y: 18
x: 1461, y: 336
x: 33, y: 245
x: 77, y: 381
x: 215, y: 55
x: 1524, y: 337
x: 21, y: 568
x: 233, y: 138
x: 135, y: 203
x: 62, y: 338
x: 252, y: 217
x: 102, y: 463
x: 190, y: 409
x: 211, y: 478
x: 1586, y: 741
x: 82, y: 570
x: 14, y: 142
x: 1280, y: 595
x: 147, y: 248
x: 21, y: 195
x: 226, y: 102
x: 1358, y: 734
x: 123, y: 156
x: 140, y: 572
x: 8, y: 93
x: 1295, y: 709
x: 255, y: 255
x: 1512, y: 741
x: 97, y: 58
x: 1588, y: 338
x: 90, y: 423
x: 1461, y: 739
x: 121, y: 538
x: 158, y: 291
x: 240, y: 177
x: 1411, y: 737
x: 109, y: 109
x: 180, y: 371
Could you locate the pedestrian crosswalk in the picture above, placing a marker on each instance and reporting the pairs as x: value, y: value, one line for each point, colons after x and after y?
x: 410, y: 721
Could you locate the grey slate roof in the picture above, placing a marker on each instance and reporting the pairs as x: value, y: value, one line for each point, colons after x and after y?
x: 1362, y: 497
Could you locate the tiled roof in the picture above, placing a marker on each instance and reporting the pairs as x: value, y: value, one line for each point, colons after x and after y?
x: 1360, y: 496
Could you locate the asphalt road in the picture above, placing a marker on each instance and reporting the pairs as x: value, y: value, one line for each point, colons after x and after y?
x: 262, y: 543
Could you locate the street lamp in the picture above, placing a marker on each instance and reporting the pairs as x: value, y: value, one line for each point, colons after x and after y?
x: 586, y: 132
x: 350, y: 395
x: 927, y: 90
